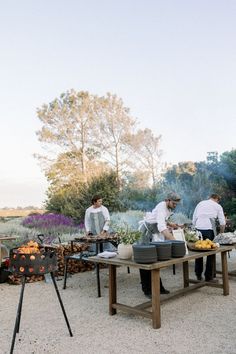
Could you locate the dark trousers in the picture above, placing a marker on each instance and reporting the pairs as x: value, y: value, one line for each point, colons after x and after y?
x: 210, y: 259
x: 145, y: 276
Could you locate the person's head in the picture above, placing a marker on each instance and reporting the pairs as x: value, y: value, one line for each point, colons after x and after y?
x: 172, y: 199
x: 215, y: 197
x: 97, y: 201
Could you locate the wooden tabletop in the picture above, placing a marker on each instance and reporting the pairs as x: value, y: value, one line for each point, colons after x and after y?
x: 161, y: 264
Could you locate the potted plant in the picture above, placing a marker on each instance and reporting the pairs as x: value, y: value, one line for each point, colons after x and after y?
x: 126, y: 238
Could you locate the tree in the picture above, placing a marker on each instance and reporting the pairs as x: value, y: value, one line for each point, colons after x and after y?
x: 115, y: 126
x: 73, y: 200
x: 146, y: 153
x: 66, y: 170
x: 68, y: 124
x: 227, y: 168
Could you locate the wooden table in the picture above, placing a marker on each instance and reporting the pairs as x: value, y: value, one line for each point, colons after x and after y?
x: 4, y: 238
x: 98, y: 241
x: 155, y: 268
x: 232, y: 272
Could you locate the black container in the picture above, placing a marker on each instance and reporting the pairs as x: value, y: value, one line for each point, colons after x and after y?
x: 144, y: 254
x: 178, y: 248
x: 163, y: 249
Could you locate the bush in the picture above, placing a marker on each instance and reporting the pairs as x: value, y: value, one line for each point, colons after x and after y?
x: 130, y: 217
x: 50, y: 223
x: 73, y: 201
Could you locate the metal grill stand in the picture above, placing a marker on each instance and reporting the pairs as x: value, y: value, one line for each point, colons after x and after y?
x: 44, y: 262
x: 19, y: 309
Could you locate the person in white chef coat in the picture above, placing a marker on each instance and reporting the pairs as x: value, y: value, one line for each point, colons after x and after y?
x: 157, y: 226
x: 204, y: 220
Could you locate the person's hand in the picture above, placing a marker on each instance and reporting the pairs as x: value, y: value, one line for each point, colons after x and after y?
x: 173, y: 225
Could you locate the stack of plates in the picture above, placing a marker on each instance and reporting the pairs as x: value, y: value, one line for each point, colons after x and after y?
x: 163, y: 249
x: 178, y: 249
x: 145, y: 253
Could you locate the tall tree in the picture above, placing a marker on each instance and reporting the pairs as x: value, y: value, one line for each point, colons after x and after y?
x: 146, y: 153
x: 115, y: 126
x: 67, y: 125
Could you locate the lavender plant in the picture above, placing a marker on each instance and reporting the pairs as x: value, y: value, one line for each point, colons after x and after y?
x: 52, y: 224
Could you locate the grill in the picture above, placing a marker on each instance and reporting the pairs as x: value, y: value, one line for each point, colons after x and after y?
x: 28, y: 260
x: 33, y: 263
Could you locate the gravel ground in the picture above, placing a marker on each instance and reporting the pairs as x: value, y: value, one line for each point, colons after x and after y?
x: 203, y: 321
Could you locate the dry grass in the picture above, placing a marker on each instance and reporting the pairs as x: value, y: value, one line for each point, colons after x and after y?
x: 5, y: 213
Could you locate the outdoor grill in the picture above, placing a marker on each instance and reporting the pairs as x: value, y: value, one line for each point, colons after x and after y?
x: 45, y: 261
x: 28, y: 260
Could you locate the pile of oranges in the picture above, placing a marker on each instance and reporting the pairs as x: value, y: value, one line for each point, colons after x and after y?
x: 205, y: 244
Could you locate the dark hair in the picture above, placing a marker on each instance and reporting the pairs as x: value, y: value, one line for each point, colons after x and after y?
x: 215, y: 196
x: 95, y: 198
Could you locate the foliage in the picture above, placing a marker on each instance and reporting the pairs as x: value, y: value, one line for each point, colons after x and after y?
x: 180, y: 219
x: 140, y: 199
x: 50, y: 223
x: 129, y: 217
x: 115, y: 129
x: 126, y: 235
x: 145, y: 148
x: 67, y: 124
x: 191, y: 235
x: 72, y: 201
x: 14, y: 227
x: 86, y: 135
x: 93, y: 137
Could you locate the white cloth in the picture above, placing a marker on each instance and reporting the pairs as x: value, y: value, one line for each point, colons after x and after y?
x: 159, y: 215
x: 204, y: 211
x: 107, y: 254
x: 158, y: 237
x: 87, y: 220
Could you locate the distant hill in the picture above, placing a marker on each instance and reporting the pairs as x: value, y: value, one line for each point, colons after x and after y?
x: 5, y: 213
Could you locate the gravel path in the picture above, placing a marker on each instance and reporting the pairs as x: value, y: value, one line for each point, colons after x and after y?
x: 201, y: 322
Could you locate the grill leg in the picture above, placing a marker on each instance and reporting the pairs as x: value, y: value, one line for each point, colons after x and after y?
x: 61, y: 303
x: 18, y: 315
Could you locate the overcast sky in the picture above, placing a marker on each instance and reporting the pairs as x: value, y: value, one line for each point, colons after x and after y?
x: 172, y: 62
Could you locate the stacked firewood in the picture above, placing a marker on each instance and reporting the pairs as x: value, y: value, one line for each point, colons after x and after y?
x: 74, y: 266
x: 16, y: 279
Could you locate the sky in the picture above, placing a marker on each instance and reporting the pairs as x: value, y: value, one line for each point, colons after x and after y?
x: 172, y: 62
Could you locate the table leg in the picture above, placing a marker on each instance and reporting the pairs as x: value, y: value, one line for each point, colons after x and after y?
x: 98, y: 279
x: 156, y: 304
x: 112, y: 289
x: 0, y: 253
x: 225, y: 278
x: 185, y: 274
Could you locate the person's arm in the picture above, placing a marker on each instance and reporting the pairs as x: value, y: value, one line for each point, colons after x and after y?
x: 107, y: 219
x: 87, y: 224
x: 221, y: 219
x: 168, y: 235
x: 162, y: 224
x: 173, y: 225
